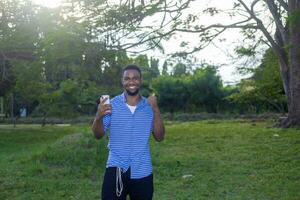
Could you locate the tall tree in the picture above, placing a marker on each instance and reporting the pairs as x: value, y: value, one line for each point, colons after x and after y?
x: 268, y: 83
x: 205, y: 88
x: 154, y: 67
x: 284, y: 39
x: 179, y: 69
x: 264, y: 90
x: 165, y: 69
x: 17, y: 37
x: 273, y: 22
x: 172, y: 93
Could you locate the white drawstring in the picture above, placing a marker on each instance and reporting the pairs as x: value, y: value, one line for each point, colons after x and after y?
x: 119, y: 183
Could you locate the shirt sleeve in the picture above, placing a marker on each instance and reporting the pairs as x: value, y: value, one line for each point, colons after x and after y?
x: 106, y: 122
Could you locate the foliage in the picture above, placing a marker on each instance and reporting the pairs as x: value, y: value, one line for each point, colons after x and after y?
x: 165, y: 69
x: 264, y: 90
x: 205, y: 88
x: 200, y: 91
x: 54, y: 62
x: 7, y: 80
x: 246, y: 97
x: 172, y: 93
x: 179, y: 69
x: 269, y: 83
x: 17, y: 37
x: 275, y: 23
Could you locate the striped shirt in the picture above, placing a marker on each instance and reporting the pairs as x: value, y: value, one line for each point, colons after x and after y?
x: 129, y: 136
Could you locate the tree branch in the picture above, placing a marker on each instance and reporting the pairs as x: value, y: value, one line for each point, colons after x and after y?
x: 277, y: 18
x: 260, y: 25
x: 143, y: 40
x: 283, y: 4
x: 234, y: 25
x: 164, y: 17
x: 203, y: 45
x: 16, y: 55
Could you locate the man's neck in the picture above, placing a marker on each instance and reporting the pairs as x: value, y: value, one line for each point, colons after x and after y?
x: 132, y: 100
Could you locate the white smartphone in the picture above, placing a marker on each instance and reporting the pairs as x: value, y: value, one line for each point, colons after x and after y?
x: 107, y: 99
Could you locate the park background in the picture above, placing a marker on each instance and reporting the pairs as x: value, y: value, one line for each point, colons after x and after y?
x: 224, y: 137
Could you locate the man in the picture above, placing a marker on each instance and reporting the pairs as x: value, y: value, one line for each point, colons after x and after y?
x: 130, y: 119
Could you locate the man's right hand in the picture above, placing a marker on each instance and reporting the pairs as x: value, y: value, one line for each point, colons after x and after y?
x: 103, y: 109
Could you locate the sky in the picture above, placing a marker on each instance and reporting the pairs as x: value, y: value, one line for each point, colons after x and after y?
x: 48, y: 3
x: 217, y: 53
x: 221, y: 51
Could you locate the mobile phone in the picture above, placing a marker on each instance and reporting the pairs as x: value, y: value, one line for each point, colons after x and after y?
x: 107, y: 101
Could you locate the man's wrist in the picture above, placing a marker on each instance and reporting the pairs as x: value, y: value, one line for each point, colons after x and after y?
x: 98, y: 117
x: 156, y: 110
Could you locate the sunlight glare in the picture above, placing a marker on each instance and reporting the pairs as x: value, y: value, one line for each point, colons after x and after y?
x: 48, y: 3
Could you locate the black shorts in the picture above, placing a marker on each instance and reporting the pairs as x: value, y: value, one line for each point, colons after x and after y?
x: 137, y: 189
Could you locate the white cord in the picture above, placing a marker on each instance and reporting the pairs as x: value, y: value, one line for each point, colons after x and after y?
x: 119, y: 183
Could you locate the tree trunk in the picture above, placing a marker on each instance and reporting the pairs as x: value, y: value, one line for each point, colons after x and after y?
x: 282, y: 41
x: 285, y: 76
x: 293, y: 119
x: 13, y: 118
x: 44, y: 121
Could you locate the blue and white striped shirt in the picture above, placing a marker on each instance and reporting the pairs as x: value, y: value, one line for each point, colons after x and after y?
x: 129, y: 136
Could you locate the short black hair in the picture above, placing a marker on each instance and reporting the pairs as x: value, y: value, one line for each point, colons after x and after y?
x: 134, y: 67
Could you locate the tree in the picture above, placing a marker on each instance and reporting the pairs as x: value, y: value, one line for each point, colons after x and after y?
x: 172, y: 93
x: 272, y: 22
x: 285, y: 17
x: 44, y: 54
x: 226, y: 104
x: 179, y: 69
x: 246, y: 98
x: 7, y: 78
x: 165, y: 69
x: 30, y: 84
x: 154, y: 67
x: 268, y: 83
x: 17, y: 42
x: 17, y: 36
x: 264, y: 90
x: 205, y: 88
x: 285, y: 44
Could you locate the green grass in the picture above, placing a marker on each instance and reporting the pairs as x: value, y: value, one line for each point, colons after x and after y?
x: 226, y: 160
x: 49, y: 163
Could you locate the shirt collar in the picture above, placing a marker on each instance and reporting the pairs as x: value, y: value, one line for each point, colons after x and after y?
x: 142, y: 101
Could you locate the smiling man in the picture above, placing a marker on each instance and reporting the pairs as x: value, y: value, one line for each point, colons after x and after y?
x: 130, y: 119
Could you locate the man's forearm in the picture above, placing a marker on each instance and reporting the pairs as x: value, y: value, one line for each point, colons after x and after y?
x: 98, y: 128
x: 159, y: 128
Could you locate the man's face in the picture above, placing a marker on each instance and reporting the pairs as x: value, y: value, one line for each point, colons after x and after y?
x: 131, y: 82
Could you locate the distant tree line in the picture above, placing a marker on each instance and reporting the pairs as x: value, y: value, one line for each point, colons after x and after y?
x: 53, y: 65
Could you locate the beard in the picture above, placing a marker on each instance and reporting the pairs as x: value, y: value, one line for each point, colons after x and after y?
x: 132, y: 93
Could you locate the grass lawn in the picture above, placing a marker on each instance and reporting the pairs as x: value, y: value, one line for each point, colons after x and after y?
x: 198, y: 160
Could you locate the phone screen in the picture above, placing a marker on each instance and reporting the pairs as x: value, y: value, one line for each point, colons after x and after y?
x: 107, y: 100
